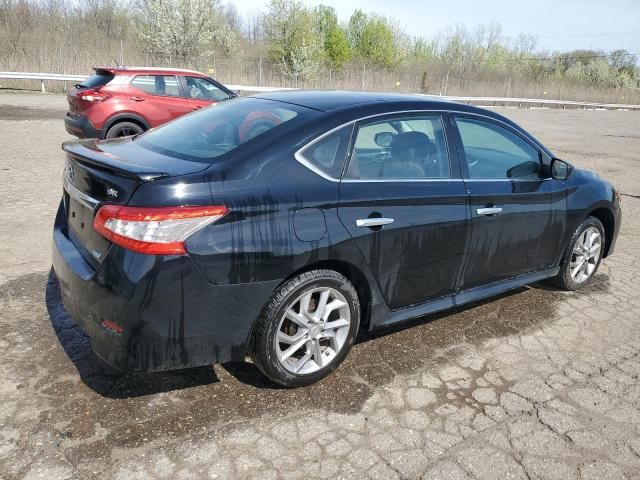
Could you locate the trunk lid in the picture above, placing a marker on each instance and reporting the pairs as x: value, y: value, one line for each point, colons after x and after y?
x: 99, y: 172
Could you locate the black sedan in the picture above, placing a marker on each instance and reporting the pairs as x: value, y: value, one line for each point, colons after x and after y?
x: 278, y: 225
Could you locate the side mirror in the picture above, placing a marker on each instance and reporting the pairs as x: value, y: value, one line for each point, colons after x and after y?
x: 560, y: 170
x: 523, y: 170
x: 383, y: 139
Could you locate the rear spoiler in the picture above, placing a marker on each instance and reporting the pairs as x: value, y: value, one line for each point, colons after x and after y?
x: 87, y: 152
x: 102, y: 70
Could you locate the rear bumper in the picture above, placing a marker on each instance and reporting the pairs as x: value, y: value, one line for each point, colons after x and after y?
x: 170, y: 315
x: 81, y: 127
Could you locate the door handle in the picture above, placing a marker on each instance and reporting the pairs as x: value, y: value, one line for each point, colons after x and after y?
x: 373, y: 222
x: 196, y: 107
x: 137, y: 99
x: 489, y: 211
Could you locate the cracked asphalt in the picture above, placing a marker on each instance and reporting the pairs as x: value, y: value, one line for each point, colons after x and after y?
x: 534, y: 384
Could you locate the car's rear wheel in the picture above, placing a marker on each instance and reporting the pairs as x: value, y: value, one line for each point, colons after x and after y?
x: 583, y: 256
x: 124, y: 129
x: 306, y: 328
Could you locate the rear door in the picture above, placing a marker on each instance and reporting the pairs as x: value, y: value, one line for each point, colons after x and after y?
x: 405, y: 205
x: 202, y: 92
x: 510, y: 199
x: 157, y: 98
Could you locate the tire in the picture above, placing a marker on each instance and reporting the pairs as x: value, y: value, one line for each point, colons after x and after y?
x: 323, y: 353
x: 123, y: 129
x: 565, y: 279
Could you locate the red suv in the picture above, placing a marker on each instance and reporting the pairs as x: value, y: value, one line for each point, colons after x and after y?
x: 117, y: 102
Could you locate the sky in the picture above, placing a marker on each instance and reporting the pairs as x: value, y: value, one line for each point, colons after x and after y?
x: 557, y: 24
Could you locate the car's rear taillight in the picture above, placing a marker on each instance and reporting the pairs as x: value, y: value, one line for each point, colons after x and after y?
x: 154, y: 231
x: 94, y: 96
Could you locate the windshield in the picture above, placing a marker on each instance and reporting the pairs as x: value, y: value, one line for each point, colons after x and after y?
x: 220, y: 128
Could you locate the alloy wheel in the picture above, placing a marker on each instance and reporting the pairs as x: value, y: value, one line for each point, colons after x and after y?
x: 586, y: 254
x: 313, y: 330
x: 127, y: 131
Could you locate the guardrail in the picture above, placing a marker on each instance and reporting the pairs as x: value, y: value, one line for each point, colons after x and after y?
x: 42, y: 77
x: 496, y: 101
x: 541, y: 101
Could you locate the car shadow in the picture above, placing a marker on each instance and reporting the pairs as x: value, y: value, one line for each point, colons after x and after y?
x: 112, y: 383
x: 101, y: 377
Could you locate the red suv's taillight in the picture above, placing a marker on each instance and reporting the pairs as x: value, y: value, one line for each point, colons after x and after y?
x: 154, y: 231
x: 94, y: 96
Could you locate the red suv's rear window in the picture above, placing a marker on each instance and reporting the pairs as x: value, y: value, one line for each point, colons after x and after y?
x: 99, y: 79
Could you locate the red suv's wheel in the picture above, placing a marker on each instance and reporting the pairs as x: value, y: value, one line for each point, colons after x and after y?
x: 124, y: 129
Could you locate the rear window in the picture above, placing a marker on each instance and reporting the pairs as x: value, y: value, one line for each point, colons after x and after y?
x: 99, y: 79
x: 220, y: 128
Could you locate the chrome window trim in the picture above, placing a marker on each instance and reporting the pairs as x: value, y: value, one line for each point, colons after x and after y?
x: 518, y: 179
x: 76, y: 194
x: 437, y: 113
x: 307, y: 163
x: 400, y: 180
x: 302, y: 160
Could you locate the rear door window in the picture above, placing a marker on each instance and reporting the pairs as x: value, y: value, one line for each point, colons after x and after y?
x: 400, y: 147
x: 164, y: 85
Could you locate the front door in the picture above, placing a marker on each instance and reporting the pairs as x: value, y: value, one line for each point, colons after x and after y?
x: 405, y: 206
x: 513, y: 222
x: 202, y: 92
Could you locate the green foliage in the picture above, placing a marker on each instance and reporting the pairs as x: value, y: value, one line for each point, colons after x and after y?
x: 332, y: 37
x: 469, y: 53
x: 292, y: 36
x: 336, y: 45
x: 357, y: 22
x: 374, y: 39
x: 326, y: 19
x: 376, y: 43
x: 301, y: 38
x: 423, y: 51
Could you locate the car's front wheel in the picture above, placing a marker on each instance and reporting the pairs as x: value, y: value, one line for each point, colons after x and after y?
x: 306, y: 328
x: 583, y: 256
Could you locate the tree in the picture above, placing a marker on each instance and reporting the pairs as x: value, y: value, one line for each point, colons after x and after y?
x: 108, y: 16
x: 334, y: 39
x: 289, y: 29
x: 357, y: 22
x: 16, y: 17
x: 336, y: 45
x: 184, y: 28
x: 423, y: 50
x: 376, y: 39
x: 326, y: 19
x: 623, y: 61
x: 376, y: 43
